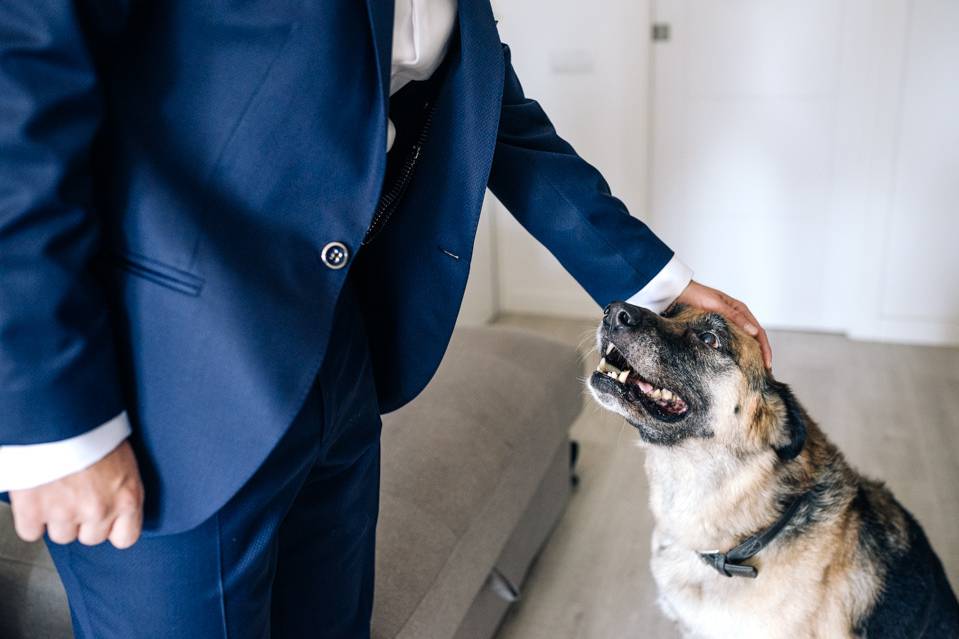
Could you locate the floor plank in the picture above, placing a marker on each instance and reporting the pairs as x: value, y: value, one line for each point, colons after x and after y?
x: 892, y: 409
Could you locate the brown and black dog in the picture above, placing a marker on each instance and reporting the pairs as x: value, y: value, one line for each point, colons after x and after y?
x: 762, y: 528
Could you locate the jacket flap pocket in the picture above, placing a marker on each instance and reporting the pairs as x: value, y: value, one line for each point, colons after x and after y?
x: 160, y: 273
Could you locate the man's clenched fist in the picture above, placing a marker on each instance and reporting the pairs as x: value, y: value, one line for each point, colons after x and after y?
x: 104, y: 501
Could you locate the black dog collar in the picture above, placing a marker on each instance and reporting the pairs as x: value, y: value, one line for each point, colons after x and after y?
x: 730, y: 563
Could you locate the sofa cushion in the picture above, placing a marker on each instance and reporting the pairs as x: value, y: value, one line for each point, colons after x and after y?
x: 460, y: 464
x: 505, y: 584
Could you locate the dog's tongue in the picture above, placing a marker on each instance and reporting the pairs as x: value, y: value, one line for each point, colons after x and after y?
x: 644, y: 386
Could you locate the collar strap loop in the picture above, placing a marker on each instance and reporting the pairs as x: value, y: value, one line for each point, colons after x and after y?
x: 729, y: 564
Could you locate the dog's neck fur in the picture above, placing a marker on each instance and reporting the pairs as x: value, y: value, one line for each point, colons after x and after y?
x: 706, y: 500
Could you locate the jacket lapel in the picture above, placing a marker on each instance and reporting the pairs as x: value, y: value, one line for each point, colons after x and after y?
x: 415, y: 272
x: 476, y: 88
x: 481, y: 66
x: 381, y: 23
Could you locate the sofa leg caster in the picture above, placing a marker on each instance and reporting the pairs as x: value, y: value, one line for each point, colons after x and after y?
x: 573, y: 457
x: 503, y: 587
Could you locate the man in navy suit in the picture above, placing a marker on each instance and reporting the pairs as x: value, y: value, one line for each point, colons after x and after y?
x: 231, y: 236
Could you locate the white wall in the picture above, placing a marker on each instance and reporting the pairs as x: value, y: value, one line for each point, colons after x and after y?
x: 744, y: 124
x: 906, y: 271
x: 480, y: 302
x: 587, y: 64
x: 806, y: 159
x: 877, y: 178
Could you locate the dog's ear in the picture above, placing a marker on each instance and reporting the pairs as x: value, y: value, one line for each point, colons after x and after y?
x: 793, y: 435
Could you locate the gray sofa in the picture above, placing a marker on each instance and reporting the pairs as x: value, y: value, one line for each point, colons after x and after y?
x: 476, y: 472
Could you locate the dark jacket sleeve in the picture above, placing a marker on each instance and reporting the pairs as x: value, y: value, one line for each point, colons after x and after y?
x: 57, y: 362
x: 566, y: 204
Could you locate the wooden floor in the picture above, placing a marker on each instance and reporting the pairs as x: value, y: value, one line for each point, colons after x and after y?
x: 893, y: 410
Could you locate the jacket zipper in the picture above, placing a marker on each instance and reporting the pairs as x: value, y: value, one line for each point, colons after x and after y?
x: 391, y: 198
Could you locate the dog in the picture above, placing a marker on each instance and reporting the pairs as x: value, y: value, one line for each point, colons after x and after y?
x: 762, y: 529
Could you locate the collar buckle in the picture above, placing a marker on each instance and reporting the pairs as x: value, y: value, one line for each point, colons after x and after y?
x: 728, y: 563
x: 723, y: 566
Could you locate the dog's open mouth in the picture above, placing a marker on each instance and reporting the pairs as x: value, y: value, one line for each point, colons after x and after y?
x: 614, y: 372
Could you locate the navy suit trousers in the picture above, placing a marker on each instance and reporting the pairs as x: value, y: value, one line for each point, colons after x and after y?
x: 289, y: 556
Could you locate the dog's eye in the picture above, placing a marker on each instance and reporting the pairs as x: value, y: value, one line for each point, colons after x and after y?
x: 710, y: 339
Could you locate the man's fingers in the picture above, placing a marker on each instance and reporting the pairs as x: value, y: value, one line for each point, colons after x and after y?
x: 93, y: 533
x: 732, y: 309
x: 62, y: 532
x: 764, y: 346
x: 710, y: 299
x: 740, y: 319
x: 28, y: 525
x: 741, y: 315
x: 752, y: 318
x: 126, y: 529
x: 766, y: 349
x: 103, y: 501
x: 760, y: 333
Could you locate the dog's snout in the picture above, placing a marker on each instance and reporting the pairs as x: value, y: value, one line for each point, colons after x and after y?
x: 622, y: 315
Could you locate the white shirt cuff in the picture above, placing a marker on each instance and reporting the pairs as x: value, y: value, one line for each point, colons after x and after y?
x: 28, y: 466
x: 662, y: 290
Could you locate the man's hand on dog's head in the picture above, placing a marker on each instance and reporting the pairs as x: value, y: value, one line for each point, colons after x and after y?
x: 709, y: 299
x: 101, y: 503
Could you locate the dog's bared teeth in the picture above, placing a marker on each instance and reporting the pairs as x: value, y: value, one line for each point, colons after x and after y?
x: 606, y: 367
x: 667, y: 395
x: 656, y: 394
x: 623, y: 376
x: 610, y: 348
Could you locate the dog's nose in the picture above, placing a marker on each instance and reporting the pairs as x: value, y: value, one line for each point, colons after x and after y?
x: 623, y: 315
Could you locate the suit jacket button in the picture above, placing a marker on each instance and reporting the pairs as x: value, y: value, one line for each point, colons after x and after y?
x: 335, y: 255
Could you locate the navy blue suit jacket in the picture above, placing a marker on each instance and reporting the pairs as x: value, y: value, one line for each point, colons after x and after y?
x: 169, y: 172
